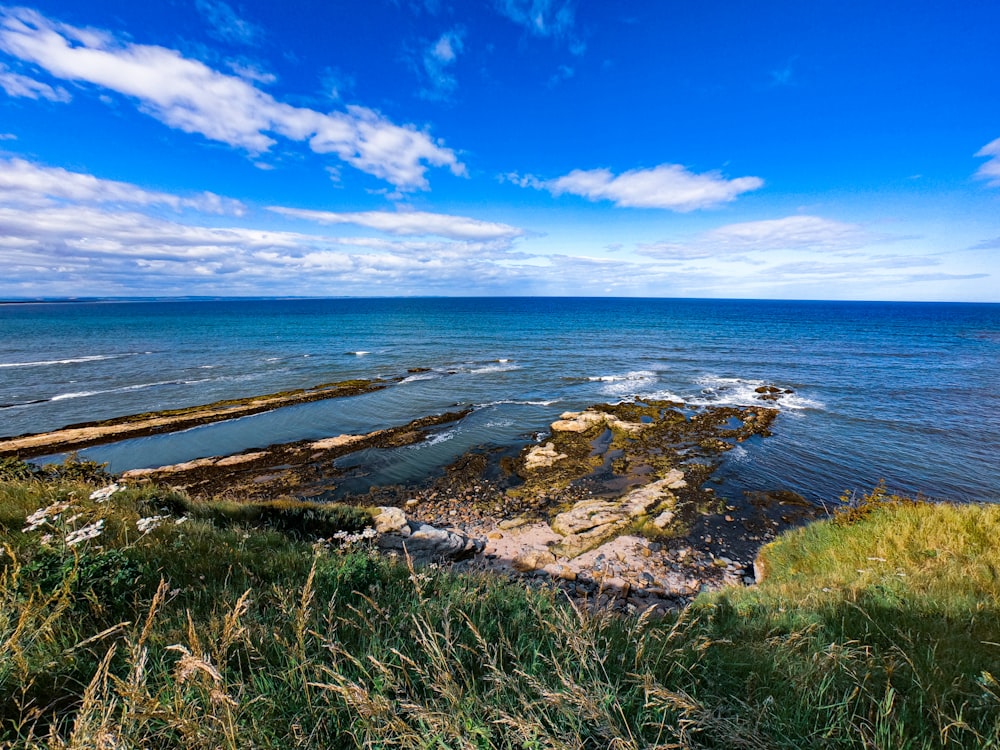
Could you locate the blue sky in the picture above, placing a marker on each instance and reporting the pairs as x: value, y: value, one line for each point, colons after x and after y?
x: 822, y: 150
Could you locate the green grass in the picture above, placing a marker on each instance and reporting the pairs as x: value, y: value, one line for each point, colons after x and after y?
x: 242, y: 628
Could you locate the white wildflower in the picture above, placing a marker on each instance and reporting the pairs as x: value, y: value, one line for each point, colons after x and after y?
x: 74, y: 517
x: 347, y: 538
x: 104, y: 493
x: 87, y: 532
x: 145, y: 525
x: 182, y: 519
x: 46, y: 539
x: 43, y: 515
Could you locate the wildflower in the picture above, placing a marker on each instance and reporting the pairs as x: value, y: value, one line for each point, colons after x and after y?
x: 87, y: 532
x: 46, y: 539
x: 182, y: 519
x: 145, y: 525
x: 43, y: 515
x: 104, y: 493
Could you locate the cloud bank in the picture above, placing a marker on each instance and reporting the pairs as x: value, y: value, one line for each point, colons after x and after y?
x: 188, y: 95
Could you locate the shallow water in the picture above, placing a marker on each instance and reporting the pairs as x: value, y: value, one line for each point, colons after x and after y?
x: 908, y: 393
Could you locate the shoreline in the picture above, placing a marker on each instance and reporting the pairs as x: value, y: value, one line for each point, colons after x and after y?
x: 610, y: 506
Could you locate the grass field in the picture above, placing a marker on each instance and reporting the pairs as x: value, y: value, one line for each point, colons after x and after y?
x: 148, y: 620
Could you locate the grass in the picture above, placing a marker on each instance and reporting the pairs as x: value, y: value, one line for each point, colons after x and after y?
x: 245, y: 628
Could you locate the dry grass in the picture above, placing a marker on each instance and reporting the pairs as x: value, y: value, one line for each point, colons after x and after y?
x: 239, y: 636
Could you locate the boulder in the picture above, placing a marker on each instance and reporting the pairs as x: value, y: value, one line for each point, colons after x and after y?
x: 390, y: 520
x: 425, y: 543
x: 533, y: 559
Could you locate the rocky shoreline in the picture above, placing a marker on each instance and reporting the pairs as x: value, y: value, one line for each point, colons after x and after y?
x: 610, y: 506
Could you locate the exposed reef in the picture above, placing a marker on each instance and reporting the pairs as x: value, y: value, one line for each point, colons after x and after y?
x: 302, y: 469
x: 612, y: 505
x: 85, y: 434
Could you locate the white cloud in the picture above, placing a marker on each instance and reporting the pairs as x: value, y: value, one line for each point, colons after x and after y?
x: 801, y: 233
x: 251, y: 72
x: 669, y: 186
x: 189, y: 96
x: 225, y: 24
x: 438, y: 59
x: 563, y: 73
x: 990, y: 171
x: 64, y: 232
x: 22, y: 86
x: 414, y: 223
x: 791, y: 232
x: 29, y: 184
x: 545, y: 18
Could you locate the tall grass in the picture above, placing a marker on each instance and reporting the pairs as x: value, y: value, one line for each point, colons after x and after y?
x: 227, y: 632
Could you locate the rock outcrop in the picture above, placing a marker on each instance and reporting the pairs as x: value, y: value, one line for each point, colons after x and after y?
x: 422, y: 542
x: 582, y: 421
x: 542, y: 456
x: 590, y: 522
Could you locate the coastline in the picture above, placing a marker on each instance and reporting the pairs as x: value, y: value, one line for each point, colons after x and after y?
x: 610, y: 506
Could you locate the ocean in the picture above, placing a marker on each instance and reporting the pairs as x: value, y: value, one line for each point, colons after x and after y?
x: 905, y: 393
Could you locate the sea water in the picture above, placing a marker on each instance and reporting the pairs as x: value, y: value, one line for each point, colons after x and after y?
x: 908, y: 393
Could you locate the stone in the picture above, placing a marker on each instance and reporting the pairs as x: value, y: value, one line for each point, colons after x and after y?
x: 533, y: 559
x: 426, y: 543
x: 664, y: 519
x: 542, y: 456
x: 511, y: 523
x: 390, y: 520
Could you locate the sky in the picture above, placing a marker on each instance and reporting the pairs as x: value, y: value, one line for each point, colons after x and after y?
x: 824, y: 150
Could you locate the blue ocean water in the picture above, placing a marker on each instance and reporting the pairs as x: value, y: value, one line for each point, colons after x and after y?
x: 908, y: 393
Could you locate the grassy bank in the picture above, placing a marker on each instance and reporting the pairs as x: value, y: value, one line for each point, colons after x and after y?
x: 146, y: 620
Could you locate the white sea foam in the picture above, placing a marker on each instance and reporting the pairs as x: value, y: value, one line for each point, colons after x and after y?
x: 441, y: 437
x: 516, y: 402
x: 498, y: 366
x: 720, y: 391
x: 627, y: 384
x: 739, y: 454
x: 125, y: 388
x: 76, y: 394
x: 661, y: 395
x: 73, y: 360
x: 421, y: 376
x: 356, y: 354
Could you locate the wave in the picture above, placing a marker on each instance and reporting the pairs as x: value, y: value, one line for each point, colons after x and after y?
x: 624, y: 385
x: 72, y: 360
x: 721, y: 391
x: 432, y: 375
x: 499, y: 366
x: 516, y: 402
x: 441, y: 437
x: 124, y: 389
x: 361, y: 353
